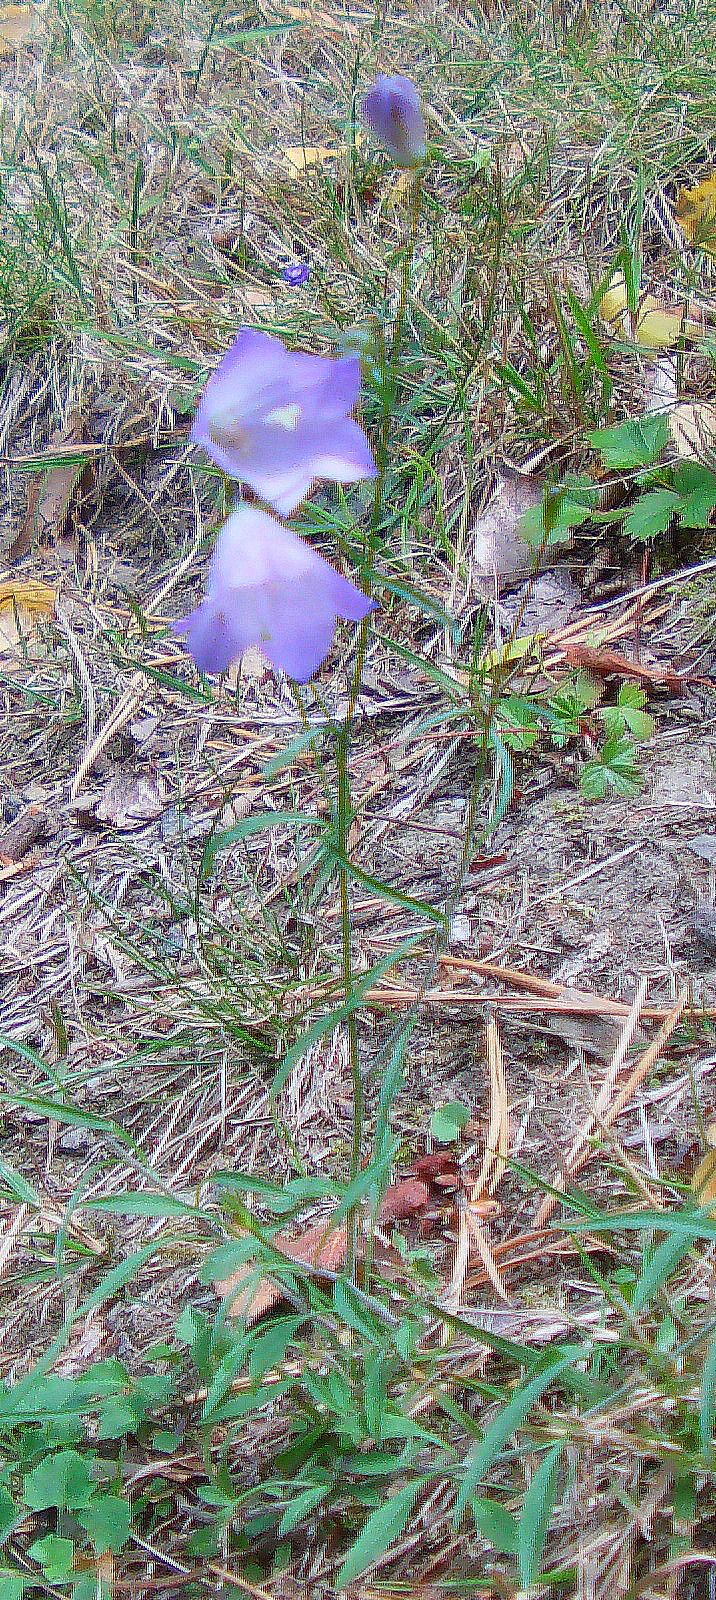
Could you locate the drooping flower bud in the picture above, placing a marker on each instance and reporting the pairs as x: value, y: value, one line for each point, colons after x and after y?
x: 391, y: 109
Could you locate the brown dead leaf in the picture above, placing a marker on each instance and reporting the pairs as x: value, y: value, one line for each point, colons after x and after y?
x: 606, y: 663
x: 125, y: 803
x: 21, y: 605
x: 498, y: 550
x: 438, y: 1168
x: 19, y: 25
x: 403, y: 1199
x: 17, y: 839
x: 316, y: 1247
x: 50, y: 494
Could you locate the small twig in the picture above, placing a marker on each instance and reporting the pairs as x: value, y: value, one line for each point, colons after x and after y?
x: 610, y: 1114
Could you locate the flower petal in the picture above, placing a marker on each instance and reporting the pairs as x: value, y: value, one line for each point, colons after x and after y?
x: 267, y: 587
x: 392, y: 110
x: 344, y: 454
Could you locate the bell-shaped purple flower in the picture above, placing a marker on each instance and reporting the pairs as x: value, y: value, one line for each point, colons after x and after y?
x: 277, y: 419
x: 267, y: 587
x: 392, y: 110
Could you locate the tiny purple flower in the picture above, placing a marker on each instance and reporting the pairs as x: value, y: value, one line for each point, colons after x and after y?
x: 392, y: 110
x: 267, y: 587
x: 277, y: 419
x: 297, y: 273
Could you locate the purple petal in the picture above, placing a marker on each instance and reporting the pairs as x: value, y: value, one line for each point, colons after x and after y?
x: 268, y: 587
x: 392, y: 110
x: 345, y: 455
x: 213, y: 639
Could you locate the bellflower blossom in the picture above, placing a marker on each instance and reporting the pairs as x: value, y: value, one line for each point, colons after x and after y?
x: 296, y: 273
x: 267, y: 587
x: 277, y: 419
x: 392, y: 110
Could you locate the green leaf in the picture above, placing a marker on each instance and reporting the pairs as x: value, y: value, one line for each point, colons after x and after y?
x: 635, y: 443
x: 658, y: 1267
x: 143, y: 1204
x: 327, y: 1023
x: 254, y: 824
x: 268, y: 1348
x: 301, y: 1507
x: 651, y: 514
x: 8, y: 1514
x: 108, y: 1521
x: 117, y: 1418
x: 12, y: 1586
x: 696, y: 484
x: 59, y: 1111
x: 63, y: 1480
x: 533, y: 1525
x: 18, y: 1186
x: 552, y: 521
x: 54, y: 1555
x: 640, y: 724
x: 447, y: 1122
x: 118, y: 1278
x: 383, y: 1526
x: 507, y: 1421
x: 495, y: 1524
x: 707, y: 1407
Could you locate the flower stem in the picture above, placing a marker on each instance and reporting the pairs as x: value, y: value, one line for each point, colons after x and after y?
x: 343, y: 745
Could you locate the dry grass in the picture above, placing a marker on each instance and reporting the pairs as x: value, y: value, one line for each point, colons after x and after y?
x: 149, y: 210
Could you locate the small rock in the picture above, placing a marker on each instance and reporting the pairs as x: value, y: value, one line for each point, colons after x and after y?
x: 703, y: 924
x: 460, y: 930
x: 704, y: 846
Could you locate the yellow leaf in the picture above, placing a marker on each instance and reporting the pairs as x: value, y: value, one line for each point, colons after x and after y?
x: 658, y: 324
x: 18, y: 26
x: 500, y: 660
x: 20, y: 606
x: 696, y: 214
x: 297, y: 158
x: 703, y: 1182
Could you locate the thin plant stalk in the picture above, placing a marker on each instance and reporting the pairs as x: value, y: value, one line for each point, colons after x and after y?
x: 344, y: 738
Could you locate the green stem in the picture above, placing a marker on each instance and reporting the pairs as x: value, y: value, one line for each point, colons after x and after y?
x: 345, y: 813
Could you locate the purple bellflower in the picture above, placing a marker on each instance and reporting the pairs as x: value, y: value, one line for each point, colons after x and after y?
x: 267, y: 587
x: 277, y: 419
x: 296, y: 273
x: 392, y: 110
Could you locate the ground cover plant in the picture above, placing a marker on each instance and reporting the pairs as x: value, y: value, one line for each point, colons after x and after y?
x: 357, y: 857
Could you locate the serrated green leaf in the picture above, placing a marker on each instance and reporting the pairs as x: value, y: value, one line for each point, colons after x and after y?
x: 640, y: 724
x: 635, y: 443
x: 651, y: 514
